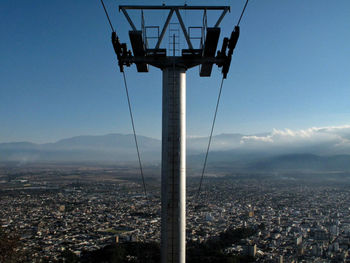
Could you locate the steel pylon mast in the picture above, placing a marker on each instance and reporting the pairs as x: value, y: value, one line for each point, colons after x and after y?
x: 173, y: 178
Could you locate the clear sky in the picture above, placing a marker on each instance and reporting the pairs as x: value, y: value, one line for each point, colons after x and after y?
x: 59, y: 76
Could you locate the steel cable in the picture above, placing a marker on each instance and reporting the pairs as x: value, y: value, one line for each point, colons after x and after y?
x: 109, y: 20
x: 130, y: 111
x: 134, y: 131
x: 210, y: 138
x: 214, y: 119
x: 239, y: 21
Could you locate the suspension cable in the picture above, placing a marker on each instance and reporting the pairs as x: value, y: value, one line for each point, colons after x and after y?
x: 239, y: 21
x: 135, y: 137
x: 130, y: 111
x: 109, y: 20
x: 214, y: 119
x: 210, y: 137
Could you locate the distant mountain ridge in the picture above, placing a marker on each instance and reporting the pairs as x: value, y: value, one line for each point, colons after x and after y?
x: 227, y: 151
x: 110, y: 147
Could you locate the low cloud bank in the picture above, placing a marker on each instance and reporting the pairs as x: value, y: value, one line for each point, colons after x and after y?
x: 320, y: 140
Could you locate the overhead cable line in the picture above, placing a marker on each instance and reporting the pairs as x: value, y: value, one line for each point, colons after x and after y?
x: 217, y: 106
x: 109, y: 20
x: 130, y: 111
x: 210, y: 137
x: 239, y: 21
x: 134, y: 131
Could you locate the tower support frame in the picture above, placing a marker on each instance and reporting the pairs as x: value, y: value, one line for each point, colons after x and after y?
x: 173, y: 175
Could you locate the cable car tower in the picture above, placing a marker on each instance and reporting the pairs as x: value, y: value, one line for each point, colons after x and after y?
x: 173, y: 174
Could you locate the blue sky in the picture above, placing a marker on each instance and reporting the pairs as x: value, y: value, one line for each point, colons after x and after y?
x: 59, y: 76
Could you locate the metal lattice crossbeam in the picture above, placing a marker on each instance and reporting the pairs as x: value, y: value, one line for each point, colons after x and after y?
x: 173, y: 9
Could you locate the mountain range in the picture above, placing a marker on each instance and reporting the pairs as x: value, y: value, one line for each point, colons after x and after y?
x: 228, y: 150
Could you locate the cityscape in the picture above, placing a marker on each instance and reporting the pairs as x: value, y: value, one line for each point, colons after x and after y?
x: 293, y: 218
x: 233, y: 148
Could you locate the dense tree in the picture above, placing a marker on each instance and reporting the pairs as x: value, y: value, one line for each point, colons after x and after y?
x: 136, y: 252
x: 68, y: 256
x: 9, y: 248
x: 139, y: 252
x: 210, y: 251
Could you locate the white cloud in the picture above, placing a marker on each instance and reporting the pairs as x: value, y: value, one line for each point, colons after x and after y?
x: 253, y: 138
x: 317, y: 140
x: 335, y: 139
